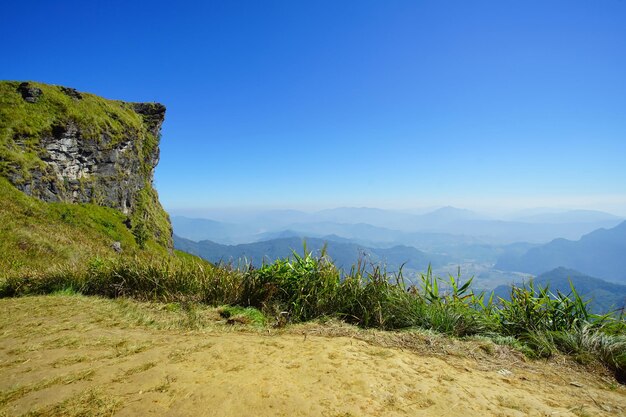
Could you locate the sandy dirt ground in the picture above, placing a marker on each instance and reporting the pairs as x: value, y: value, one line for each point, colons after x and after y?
x: 70, y: 355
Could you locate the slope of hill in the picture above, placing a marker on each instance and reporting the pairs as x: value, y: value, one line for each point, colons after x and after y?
x: 599, y: 253
x: 37, y: 235
x: 343, y: 254
x: 605, y: 296
x: 76, y: 174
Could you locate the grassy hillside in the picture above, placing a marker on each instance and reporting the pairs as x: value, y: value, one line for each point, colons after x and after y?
x: 38, y: 235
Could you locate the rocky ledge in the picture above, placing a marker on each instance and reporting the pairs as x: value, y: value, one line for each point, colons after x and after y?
x: 59, y: 144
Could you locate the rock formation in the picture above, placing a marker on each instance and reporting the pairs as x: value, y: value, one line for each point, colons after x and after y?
x: 58, y: 144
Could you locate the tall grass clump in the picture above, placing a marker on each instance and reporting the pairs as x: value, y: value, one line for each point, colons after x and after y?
x: 305, y: 286
x: 369, y: 298
x: 452, y: 307
x: 167, y: 279
x: 535, y: 309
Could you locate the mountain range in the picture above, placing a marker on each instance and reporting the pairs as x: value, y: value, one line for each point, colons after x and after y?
x: 345, y: 254
x: 377, y: 227
x: 600, y: 253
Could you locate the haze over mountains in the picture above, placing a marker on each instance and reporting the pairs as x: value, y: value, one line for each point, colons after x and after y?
x: 377, y: 225
x: 600, y: 253
x: 344, y: 254
x: 495, y: 250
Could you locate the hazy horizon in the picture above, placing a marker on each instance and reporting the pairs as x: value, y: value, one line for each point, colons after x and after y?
x: 508, y: 214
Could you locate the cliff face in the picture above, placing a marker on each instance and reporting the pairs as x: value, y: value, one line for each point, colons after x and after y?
x: 83, y: 169
x: 61, y: 145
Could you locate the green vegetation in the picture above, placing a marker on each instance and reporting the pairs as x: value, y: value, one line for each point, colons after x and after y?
x: 304, y: 288
x: 243, y: 315
x: 37, y: 236
x: 603, y: 296
x: 29, y: 122
x: 151, y: 224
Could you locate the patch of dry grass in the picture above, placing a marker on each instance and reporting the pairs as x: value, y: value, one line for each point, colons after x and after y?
x: 135, y: 370
x: 123, y: 349
x: 19, y: 391
x: 70, y: 360
x: 92, y: 402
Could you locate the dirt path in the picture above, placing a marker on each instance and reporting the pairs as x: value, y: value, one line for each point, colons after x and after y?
x: 64, y: 355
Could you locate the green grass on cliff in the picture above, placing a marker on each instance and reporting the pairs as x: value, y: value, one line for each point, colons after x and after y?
x: 36, y: 235
x: 28, y: 122
x: 151, y: 224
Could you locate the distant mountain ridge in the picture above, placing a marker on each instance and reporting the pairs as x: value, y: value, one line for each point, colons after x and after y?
x: 376, y: 227
x: 206, y: 229
x: 344, y: 254
x: 600, y: 253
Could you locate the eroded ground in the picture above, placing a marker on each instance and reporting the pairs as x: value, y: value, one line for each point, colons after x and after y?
x: 72, y: 355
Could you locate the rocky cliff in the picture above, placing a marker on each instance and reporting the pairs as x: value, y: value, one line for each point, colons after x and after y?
x: 61, y: 145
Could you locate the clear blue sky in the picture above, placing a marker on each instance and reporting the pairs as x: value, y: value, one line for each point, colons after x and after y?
x: 364, y: 103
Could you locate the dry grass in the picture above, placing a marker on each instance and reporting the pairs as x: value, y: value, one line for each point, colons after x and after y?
x: 92, y: 402
x: 135, y: 370
x: 71, y: 360
x: 19, y: 391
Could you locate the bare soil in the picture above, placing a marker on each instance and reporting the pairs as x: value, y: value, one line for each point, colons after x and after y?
x: 74, y: 355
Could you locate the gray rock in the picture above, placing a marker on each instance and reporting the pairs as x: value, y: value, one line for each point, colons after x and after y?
x: 117, y: 247
x: 72, y: 93
x: 29, y: 93
x: 81, y: 169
